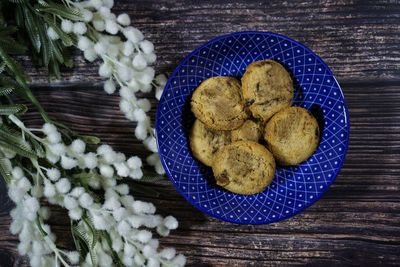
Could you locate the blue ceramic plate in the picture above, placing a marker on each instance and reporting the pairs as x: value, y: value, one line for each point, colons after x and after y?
x: 293, y: 188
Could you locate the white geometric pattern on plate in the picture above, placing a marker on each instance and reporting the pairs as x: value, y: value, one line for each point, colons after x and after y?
x: 293, y: 188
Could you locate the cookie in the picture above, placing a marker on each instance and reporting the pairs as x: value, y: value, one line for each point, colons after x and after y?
x: 218, y: 103
x: 250, y: 130
x: 292, y: 135
x: 243, y: 167
x: 267, y: 88
x: 204, y: 143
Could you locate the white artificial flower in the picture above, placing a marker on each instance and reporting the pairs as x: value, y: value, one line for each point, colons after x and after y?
x: 79, y: 28
x: 139, y: 259
x: 51, y: 157
x: 111, y: 26
x: 122, y: 189
x: 49, y: 189
x: 54, y: 137
x: 90, y: 55
x: 16, y: 194
x: 105, y: 70
x: 108, y: 3
x: 144, y: 104
x: 129, y: 250
x: 124, y: 19
x: 151, y: 144
x: 63, y: 185
x: 147, y: 76
x: 133, y: 34
x: 141, y: 130
x: 67, y: 25
x: 123, y: 228
x: 152, y: 159
x: 24, y: 184
x: 85, y: 200
x: 112, y: 203
x: 143, y: 207
x: 99, y: 25
x: 146, y: 46
x: 105, y: 12
x: 127, y: 93
x: 31, y: 204
x: 148, y: 251
x: 159, y: 168
x: 125, y: 106
x: 134, y: 162
x: 153, y: 262
x: 17, y: 173
x: 77, y: 192
x: 68, y: 163
x: 84, y: 43
x: 139, y: 62
x: 53, y: 174
x: 136, y: 174
x: 57, y: 149
x: 150, y: 58
x: 168, y: 253
x: 162, y: 230
x: 124, y: 72
x: 104, y: 149
x: 75, y: 214
x: 119, y: 214
x: 73, y: 257
x: 109, y: 86
x: 143, y: 236
x: 117, y: 244
x: 78, y: 146
x: 120, y: 157
x: 90, y: 160
x: 113, y: 50
x: 86, y: 14
x: 52, y: 34
x: 99, y: 222
x: 96, y: 3
x: 139, y: 114
x: 159, y: 91
x: 122, y: 169
x: 127, y: 48
x: 70, y: 202
x: 106, y: 171
x: 134, y: 85
x: 170, y: 222
x: 101, y: 48
x: 179, y: 260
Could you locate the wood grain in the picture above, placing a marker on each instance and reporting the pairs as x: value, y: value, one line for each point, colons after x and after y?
x: 356, y: 223
x: 358, y: 39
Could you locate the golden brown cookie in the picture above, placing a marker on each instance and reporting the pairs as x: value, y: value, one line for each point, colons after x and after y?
x: 218, y: 103
x: 292, y: 135
x: 244, y: 167
x: 250, y: 130
x: 204, y: 143
x: 267, y: 88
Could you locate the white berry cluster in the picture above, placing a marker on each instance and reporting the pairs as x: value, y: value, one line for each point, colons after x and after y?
x: 126, y: 61
x: 70, y: 182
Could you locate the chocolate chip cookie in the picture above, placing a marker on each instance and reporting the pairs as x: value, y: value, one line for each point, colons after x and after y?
x: 204, y: 142
x: 243, y: 167
x: 250, y: 130
x: 292, y: 135
x: 267, y: 88
x: 218, y: 103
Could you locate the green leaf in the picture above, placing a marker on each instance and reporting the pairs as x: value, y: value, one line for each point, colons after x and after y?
x: 10, y: 46
x: 21, y: 150
x: 6, y: 90
x: 2, y: 67
x: 62, y: 11
x: 39, y: 150
x: 5, y: 170
x: 12, y: 109
x: 90, y: 139
x: 13, y: 66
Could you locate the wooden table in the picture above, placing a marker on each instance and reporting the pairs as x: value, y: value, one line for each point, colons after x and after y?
x: 357, y: 222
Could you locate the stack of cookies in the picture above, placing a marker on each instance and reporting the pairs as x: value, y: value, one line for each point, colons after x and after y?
x: 232, y: 117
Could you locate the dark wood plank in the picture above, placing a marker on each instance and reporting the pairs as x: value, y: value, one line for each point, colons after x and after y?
x: 356, y: 222
x: 358, y: 39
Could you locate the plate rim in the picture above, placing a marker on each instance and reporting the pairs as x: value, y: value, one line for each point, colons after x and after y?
x: 283, y: 217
